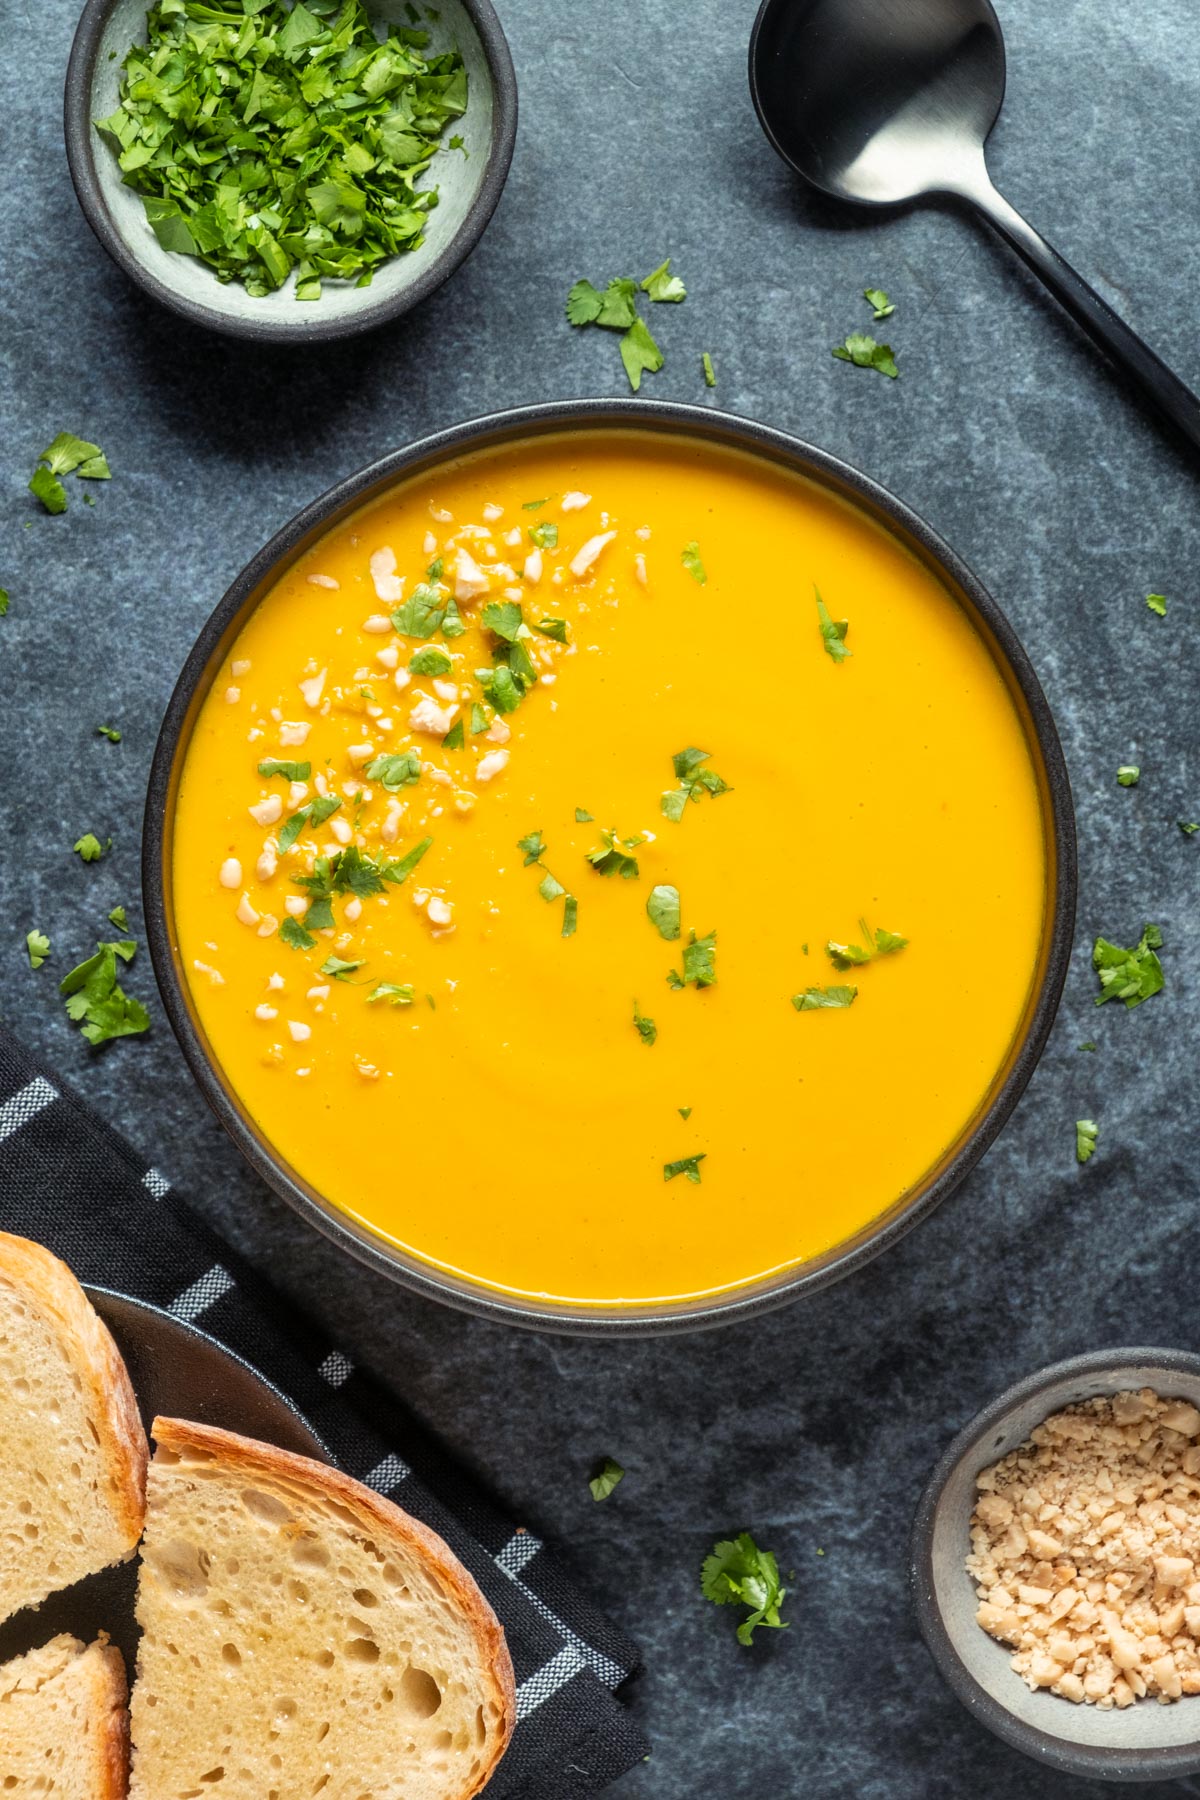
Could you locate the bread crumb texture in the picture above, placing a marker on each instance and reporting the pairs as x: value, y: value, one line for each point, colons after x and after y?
x: 1084, y: 1550
x: 74, y: 1455
x: 63, y: 1725
x: 295, y: 1646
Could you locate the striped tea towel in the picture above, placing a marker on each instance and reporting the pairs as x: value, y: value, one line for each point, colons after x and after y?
x: 72, y: 1184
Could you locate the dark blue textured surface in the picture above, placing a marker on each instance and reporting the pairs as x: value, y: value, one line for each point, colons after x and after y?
x: 816, y: 1427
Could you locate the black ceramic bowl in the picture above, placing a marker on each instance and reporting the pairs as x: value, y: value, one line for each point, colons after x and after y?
x: 1145, y: 1742
x: 469, y: 186
x: 701, y: 426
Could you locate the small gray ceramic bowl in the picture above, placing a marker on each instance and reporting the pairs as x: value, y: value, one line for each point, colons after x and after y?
x: 468, y: 186
x: 1146, y: 1742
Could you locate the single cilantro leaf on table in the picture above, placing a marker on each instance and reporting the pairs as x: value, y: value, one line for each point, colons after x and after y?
x: 1086, y: 1133
x: 646, y: 1029
x: 639, y: 353
x: 48, y: 489
x: 687, y: 1166
x: 879, y: 303
x: 110, y: 732
x: 738, y: 1573
x: 833, y: 631
x: 117, y: 917
x: 3, y: 602
x: 865, y: 353
x: 1188, y: 827
x: 1129, y: 975
x: 38, y: 946
x: 822, y: 999
x: 608, y: 1474
x: 1128, y: 775
x: 660, y: 284
x: 1157, y: 604
x: 97, y: 1003
x: 710, y: 374
x: 90, y: 848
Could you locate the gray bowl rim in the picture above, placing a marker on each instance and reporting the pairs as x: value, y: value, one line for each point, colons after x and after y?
x: 1168, y: 1763
x: 80, y: 136
x: 704, y: 426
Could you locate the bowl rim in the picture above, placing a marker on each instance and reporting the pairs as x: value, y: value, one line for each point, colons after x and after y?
x: 80, y: 139
x: 703, y: 425
x: 1101, y: 1762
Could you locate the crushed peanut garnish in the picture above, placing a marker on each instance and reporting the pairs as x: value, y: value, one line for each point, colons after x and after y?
x: 1085, y: 1550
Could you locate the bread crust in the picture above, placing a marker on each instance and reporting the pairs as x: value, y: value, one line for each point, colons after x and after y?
x: 382, y: 1518
x: 111, y: 1691
x: 52, y: 1288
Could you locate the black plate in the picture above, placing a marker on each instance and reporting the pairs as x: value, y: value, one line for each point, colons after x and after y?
x: 178, y: 1372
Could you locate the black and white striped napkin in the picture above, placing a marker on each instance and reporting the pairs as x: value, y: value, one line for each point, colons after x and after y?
x: 72, y: 1184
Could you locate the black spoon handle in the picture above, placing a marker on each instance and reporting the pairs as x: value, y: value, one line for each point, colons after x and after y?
x: 1159, y: 384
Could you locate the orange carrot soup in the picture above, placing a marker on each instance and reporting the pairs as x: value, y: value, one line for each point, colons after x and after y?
x: 586, y: 869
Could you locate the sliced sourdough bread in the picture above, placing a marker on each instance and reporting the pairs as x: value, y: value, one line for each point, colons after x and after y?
x: 64, y: 1728
x: 73, y: 1469
x: 302, y: 1636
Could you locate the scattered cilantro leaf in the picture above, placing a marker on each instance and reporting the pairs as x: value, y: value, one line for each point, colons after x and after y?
x: 690, y: 556
x: 48, y: 489
x: 738, y: 1573
x: 710, y: 374
x: 699, y: 963
x: 479, y: 719
x: 110, y: 732
x: 687, y: 1166
x: 584, y: 303
x: 833, y: 631
x: 879, y: 303
x: 398, y: 993
x: 117, y: 917
x: 570, y: 915
x: 95, y: 999
x: 429, y: 661
x: 455, y: 738
x: 662, y: 907
x: 817, y: 999
x: 340, y: 969
x: 854, y: 956
x: 293, y: 933
x: 544, y: 534
x: 1128, y: 775
x: 685, y: 1112
x: 640, y: 354
x: 549, y: 888
x: 534, y: 847
x: 398, y: 869
x: 1086, y: 1133
x: 67, y: 455
x: 394, y: 771
x: 582, y: 817
x: 614, y: 855
x: 505, y: 619
x: 607, y: 1475
x: 1188, y: 827
x: 694, y: 781
x: 290, y: 771
x: 1088, y: 1046
x: 1157, y: 604
x: 90, y: 848
x: 533, y: 505
x: 38, y: 946
x: 1129, y: 975
x: 646, y: 1029
x: 553, y: 628
x: 3, y: 602
x: 865, y: 353
x: 660, y: 284
x: 309, y: 816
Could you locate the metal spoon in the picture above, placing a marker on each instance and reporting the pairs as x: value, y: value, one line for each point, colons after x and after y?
x: 886, y: 101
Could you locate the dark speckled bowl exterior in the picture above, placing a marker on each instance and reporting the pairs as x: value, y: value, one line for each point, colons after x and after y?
x: 1145, y: 1742
x: 470, y: 187
x: 700, y: 426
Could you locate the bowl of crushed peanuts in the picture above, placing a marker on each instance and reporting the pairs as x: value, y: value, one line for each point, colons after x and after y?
x: 1056, y: 1565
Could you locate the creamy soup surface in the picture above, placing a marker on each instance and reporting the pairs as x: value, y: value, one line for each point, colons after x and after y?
x: 421, y: 956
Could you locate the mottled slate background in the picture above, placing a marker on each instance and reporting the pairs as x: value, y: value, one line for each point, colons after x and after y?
x: 817, y: 1426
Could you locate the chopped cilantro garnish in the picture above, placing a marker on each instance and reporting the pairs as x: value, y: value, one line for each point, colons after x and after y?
x: 616, y: 309
x: 553, y: 628
x: 455, y: 738
x: 66, y: 455
x: 738, y: 1573
x: 534, y: 847
x: 694, y: 782
x: 293, y: 934
x: 663, y: 910
x: 1188, y: 827
x: 1128, y: 775
x: 817, y: 999
x: 430, y: 661
x: 690, y: 556
x: 290, y: 771
x: 1086, y: 1133
x: 339, y: 968
x: 833, y: 631
x: 50, y: 491
x: 544, y: 534
x: 660, y: 284
x: 402, y: 769
x: 865, y: 353
x: 38, y: 946
x: 110, y: 732
x: 267, y: 140
x: 533, y: 505
x: 1157, y: 604
x: 640, y: 355
x: 583, y: 817
x: 1129, y: 975
x: 90, y: 848
x: 317, y: 810
x: 685, y: 1112
x: 425, y: 613
x: 1088, y: 1046
x: 710, y: 374
x: 117, y: 917
x: 614, y: 855
x: 479, y: 719
x: 879, y: 303
x: 570, y: 915
x: 699, y: 963
x: 607, y: 1475
x: 854, y: 956
x: 505, y: 619
x: 3, y: 602
x: 95, y: 1000
x: 688, y: 1166
x: 436, y: 569
x: 646, y: 1029
x: 398, y: 993
x: 550, y: 888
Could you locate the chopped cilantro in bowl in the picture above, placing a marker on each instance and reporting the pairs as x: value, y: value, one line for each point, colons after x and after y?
x: 245, y: 155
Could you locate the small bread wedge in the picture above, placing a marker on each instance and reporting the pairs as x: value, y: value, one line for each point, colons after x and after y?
x: 302, y: 1636
x: 64, y: 1728
x: 73, y: 1469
